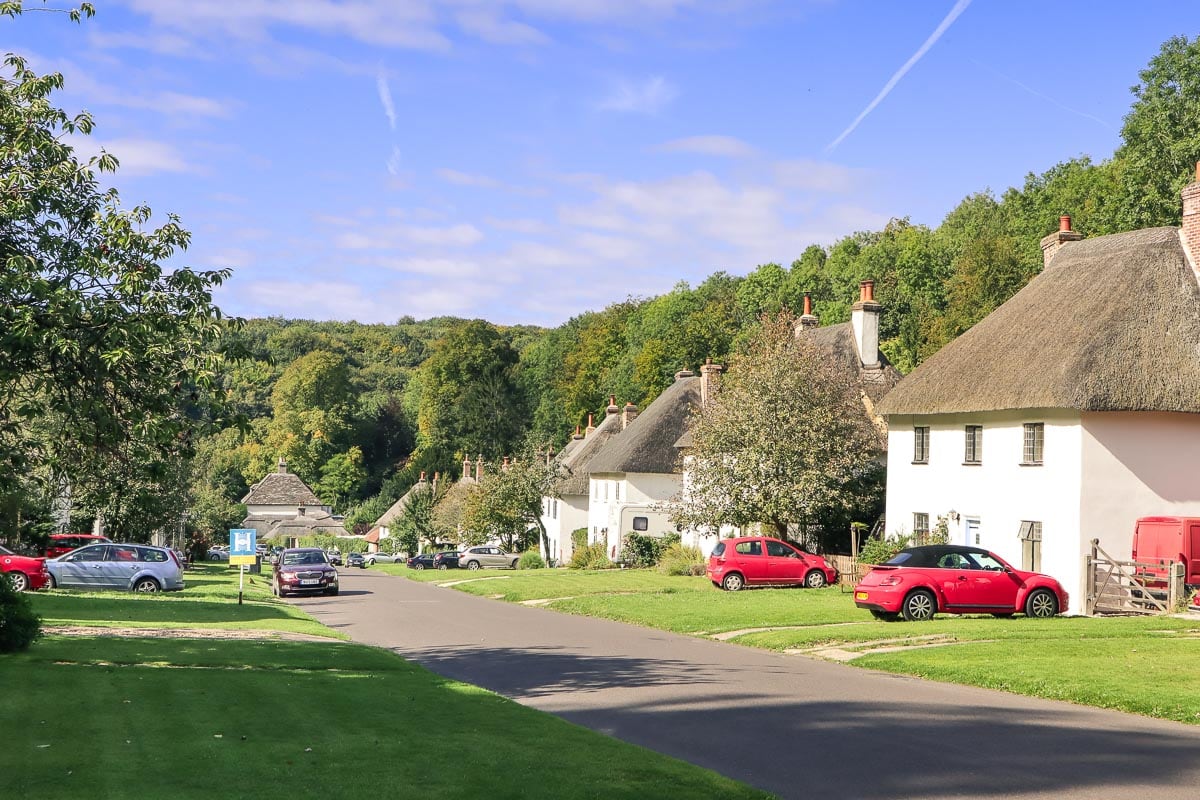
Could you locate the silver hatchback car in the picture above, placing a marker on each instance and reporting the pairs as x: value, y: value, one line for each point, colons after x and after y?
x: 131, y: 567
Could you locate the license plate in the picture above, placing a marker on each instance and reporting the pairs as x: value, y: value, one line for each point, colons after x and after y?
x: 860, y: 595
x: 309, y: 582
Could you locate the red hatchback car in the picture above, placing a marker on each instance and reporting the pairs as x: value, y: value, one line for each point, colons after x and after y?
x: 921, y: 581
x: 763, y: 561
x: 23, y: 572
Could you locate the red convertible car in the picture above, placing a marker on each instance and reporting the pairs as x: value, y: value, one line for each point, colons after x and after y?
x: 23, y: 572
x: 921, y: 581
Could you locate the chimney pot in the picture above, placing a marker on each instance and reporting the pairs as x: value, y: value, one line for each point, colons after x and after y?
x: 1064, y: 222
x: 613, y: 408
x: 808, y: 304
x: 422, y: 475
x: 864, y: 321
x: 866, y: 292
x: 591, y: 427
x: 1054, y: 241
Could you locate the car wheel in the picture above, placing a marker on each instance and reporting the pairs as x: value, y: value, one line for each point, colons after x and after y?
x: 370, y: 563
x: 885, y: 616
x: 733, y: 582
x: 472, y: 565
x: 919, y: 606
x: 418, y: 566
x: 19, y: 581
x: 214, y: 558
x: 815, y: 579
x: 53, y: 583
x: 1041, y: 604
x: 146, y: 585
x: 443, y: 566
x: 514, y: 563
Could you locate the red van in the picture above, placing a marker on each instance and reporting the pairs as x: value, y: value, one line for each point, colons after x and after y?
x: 1169, y: 540
x: 66, y: 542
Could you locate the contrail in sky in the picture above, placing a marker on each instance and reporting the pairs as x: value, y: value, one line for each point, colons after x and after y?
x: 385, y: 97
x: 958, y: 9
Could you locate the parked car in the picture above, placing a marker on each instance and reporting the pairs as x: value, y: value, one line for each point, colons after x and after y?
x: 303, y: 569
x: 24, y: 573
x: 218, y: 554
x: 356, y: 560
x: 334, y: 556
x: 63, y: 543
x: 487, y: 556
x: 382, y: 558
x: 447, y: 559
x: 423, y: 561
x: 921, y: 581
x: 132, y: 567
x: 764, y: 561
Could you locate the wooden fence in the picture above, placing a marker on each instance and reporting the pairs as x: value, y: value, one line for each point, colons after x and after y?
x: 1131, y: 587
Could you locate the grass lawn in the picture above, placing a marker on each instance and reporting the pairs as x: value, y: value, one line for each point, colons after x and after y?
x: 137, y: 718
x: 1145, y: 665
x: 209, y: 600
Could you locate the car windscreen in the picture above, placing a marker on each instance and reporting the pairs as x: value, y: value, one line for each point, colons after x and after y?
x: 905, y: 558
x: 296, y: 559
x: 4, y: 551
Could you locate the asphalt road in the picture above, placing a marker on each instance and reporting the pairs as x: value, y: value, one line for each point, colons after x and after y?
x: 795, y: 726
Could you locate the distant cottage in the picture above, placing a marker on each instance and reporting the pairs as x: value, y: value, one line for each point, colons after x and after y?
x: 1065, y: 414
x: 282, y: 508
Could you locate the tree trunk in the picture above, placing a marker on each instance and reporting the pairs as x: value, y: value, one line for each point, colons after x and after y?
x: 781, y: 529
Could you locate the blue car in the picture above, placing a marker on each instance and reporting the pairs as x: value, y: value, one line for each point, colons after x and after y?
x: 129, y: 567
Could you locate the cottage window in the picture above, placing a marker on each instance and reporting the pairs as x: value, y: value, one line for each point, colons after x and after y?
x: 1035, y: 437
x: 606, y: 490
x: 1030, y: 534
x: 921, y: 444
x: 974, y: 445
x: 617, y: 490
x: 920, y: 528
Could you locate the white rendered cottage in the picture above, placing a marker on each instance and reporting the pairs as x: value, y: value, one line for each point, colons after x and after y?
x: 281, y: 507
x: 1065, y: 414
x: 567, y: 509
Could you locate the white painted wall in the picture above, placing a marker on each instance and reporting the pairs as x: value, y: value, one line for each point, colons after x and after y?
x: 561, y: 515
x: 613, y: 493
x: 1000, y: 493
x: 283, y: 511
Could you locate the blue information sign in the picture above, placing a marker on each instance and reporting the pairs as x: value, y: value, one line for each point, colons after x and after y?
x: 242, y: 541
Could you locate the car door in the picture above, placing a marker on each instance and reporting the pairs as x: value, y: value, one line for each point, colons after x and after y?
x: 784, y: 564
x: 496, y: 558
x: 121, y: 563
x: 991, y: 585
x: 751, y: 561
x: 949, y: 572
x: 80, y: 568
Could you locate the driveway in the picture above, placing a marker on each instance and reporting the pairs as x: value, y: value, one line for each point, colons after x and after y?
x: 795, y: 726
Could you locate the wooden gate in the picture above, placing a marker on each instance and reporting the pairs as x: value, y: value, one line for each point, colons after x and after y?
x: 1130, y: 587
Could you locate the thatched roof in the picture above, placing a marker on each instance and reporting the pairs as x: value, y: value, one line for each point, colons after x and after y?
x: 308, y: 524
x: 1112, y: 324
x: 648, y: 444
x: 397, y: 508
x: 577, y: 457
x: 281, y: 488
x: 838, y: 341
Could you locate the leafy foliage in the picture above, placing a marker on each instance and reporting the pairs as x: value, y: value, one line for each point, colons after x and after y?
x: 531, y: 559
x: 640, y: 550
x: 19, y: 626
x: 590, y: 556
x: 680, y: 559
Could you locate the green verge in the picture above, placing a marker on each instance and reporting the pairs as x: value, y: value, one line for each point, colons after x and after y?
x: 209, y: 600
x: 1144, y: 665
x: 136, y: 718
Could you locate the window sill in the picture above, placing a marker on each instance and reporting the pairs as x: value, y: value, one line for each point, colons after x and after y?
x: 972, y: 463
x: 920, y: 462
x: 1029, y: 464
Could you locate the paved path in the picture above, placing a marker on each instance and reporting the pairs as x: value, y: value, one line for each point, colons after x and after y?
x: 789, y: 724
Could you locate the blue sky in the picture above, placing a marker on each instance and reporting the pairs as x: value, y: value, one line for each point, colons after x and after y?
x: 527, y: 160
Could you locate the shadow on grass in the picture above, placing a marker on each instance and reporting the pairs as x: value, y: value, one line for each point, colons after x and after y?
x: 119, y: 609
x: 902, y: 738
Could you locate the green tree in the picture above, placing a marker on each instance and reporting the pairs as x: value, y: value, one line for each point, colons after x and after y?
x: 106, y: 357
x: 785, y: 441
x: 1161, y: 136
x: 509, y: 503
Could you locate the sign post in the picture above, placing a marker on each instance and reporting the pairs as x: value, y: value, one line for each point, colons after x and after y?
x: 243, y: 549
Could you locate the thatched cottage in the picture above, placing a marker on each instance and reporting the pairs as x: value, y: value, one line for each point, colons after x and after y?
x: 1065, y: 414
x: 567, y: 510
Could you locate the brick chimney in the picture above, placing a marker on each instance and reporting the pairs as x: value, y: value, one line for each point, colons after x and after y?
x: 479, y: 469
x: 504, y: 465
x: 1064, y: 234
x: 613, y: 408
x: 591, y: 427
x: 709, y: 379
x: 684, y: 373
x: 466, y: 468
x: 807, y: 319
x: 628, y: 414
x: 422, y: 478
x: 1190, y: 231
x: 578, y: 433
x: 864, y: 319
x: 282, y: 466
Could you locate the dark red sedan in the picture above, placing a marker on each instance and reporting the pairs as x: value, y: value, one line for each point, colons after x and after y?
x: 919, y: 582
x: 763, y: 561
x: 23, y: 572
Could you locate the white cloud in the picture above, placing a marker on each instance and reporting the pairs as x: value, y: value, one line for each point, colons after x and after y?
x: 818, y: 176
x: 385, y: 98
x: 725, y: 146
x: 136, y: 156
x: 466, y: 178
x: 642, y: 97
x: 396, y: 236
x: 435, y: 267
x: 526, y: 226
x: 488, y: 26
x: 394, y: 163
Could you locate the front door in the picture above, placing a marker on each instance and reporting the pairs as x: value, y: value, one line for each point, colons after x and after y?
x: 971, y: 532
